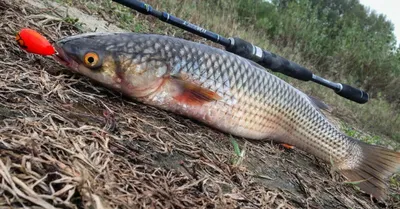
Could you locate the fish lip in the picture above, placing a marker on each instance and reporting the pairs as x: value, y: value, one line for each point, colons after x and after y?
x: 64, y: 59
x: 61, y: 56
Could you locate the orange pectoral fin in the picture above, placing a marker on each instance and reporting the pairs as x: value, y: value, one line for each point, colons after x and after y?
x: 192, y: 94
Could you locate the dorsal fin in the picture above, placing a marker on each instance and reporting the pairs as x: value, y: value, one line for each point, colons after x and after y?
x: 318, y: 103
x: 255, y: 64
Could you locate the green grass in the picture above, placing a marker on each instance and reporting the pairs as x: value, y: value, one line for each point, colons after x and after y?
x: 378, y: 118
x: 71, y: 20
x: 238, y: 154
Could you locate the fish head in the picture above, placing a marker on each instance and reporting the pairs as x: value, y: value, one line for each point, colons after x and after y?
x: 108, y: 59
x: 86, y: 55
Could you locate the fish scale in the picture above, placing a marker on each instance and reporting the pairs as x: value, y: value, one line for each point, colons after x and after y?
x: 227, y: 92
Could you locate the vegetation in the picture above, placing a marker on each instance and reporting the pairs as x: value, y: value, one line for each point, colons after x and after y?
x: 337, y: 39
x: 359, y: 42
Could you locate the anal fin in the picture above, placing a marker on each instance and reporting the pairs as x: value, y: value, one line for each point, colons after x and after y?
x: 287, y: 146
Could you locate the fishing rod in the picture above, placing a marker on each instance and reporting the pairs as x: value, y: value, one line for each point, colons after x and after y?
x: 249, y: 51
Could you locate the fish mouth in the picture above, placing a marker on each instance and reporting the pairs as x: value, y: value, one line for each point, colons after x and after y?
x: 64, y: 59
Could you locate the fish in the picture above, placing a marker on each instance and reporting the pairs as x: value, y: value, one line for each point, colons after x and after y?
x: 227, y: 92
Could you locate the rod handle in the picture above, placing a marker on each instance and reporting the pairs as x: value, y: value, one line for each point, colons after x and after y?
x: 353, y: 94
x: 279, y: 64
x: 268, y: 59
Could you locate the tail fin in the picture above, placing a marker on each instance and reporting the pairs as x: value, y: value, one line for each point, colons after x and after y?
x: 375, y: 165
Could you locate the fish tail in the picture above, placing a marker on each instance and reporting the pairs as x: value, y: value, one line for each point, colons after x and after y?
x: 372, y: 168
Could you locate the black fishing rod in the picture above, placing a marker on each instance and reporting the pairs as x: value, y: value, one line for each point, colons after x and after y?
x: 247, y: 50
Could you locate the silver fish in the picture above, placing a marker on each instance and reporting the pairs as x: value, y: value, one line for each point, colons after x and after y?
x: 224, y: 91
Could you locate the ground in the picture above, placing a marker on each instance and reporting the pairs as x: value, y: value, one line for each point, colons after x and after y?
x: 66, y: 142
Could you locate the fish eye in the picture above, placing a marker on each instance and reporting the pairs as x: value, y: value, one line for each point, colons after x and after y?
x: 91, y: 59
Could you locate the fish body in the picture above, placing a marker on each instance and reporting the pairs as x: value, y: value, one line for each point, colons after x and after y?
x: 225, y: 91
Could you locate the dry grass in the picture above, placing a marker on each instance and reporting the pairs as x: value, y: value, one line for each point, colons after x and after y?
x: 68, y: 143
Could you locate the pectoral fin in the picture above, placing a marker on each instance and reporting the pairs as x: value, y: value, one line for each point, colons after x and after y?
x: 192, y: 94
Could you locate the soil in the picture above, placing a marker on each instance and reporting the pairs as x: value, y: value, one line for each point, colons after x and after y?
x: 66, y: 142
